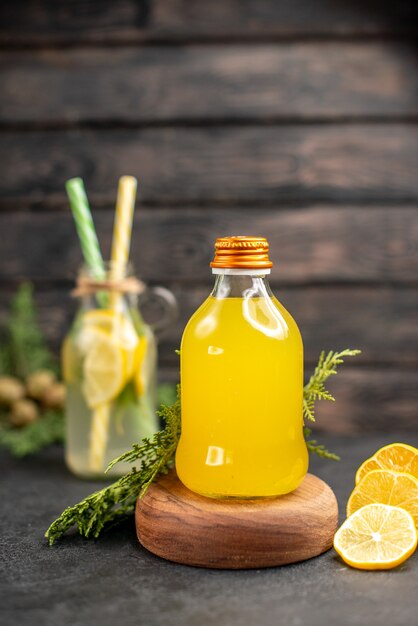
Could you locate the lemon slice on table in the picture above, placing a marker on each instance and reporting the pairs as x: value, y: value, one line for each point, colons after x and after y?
x: 377, y: 536
x: 105, y: 369
x: 386, y: 487
x: 399, y: 457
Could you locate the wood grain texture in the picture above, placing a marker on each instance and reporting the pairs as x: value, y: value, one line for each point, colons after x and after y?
x: 371, y: 400
x: 318, y: 244
x: 223, y: 164
x: 67, y: 21
x: 286, y: 18
x: 31, y: 21
x: 329, y: 317
x: 295, y: 120
x: 207, y: 83
x: 181, y: 526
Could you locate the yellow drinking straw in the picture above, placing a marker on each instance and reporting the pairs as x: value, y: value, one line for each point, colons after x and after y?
x: 122, y: 231
x: 98, y: 436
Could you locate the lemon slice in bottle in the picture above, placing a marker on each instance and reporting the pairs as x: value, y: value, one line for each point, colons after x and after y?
x: 121, y: 329
x: 377, y: 536
x: 105, y: 368
x: 100, y: 318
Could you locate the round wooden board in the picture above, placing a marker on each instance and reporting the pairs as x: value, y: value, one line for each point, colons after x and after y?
x: 181, y: 526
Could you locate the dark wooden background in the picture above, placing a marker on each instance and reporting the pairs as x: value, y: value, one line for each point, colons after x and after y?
x: 297, y: 120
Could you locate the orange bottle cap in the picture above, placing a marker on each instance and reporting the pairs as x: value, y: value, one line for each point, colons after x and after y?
x: 242, y: 253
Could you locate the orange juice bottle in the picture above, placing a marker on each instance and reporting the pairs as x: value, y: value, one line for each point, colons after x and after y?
x: 241, y: 383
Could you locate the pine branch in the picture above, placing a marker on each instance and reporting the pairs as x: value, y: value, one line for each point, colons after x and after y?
x: 318, y: 448
x: 26, y: 346
x: 5, y: 359
x: 315, y: 388
x: 30, y: 439
x: 109, y: 505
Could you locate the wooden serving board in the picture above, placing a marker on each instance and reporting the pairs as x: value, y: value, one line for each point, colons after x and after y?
x: 181, y: 526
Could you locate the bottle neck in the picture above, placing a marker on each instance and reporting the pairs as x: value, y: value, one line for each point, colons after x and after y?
x: 229, y: 284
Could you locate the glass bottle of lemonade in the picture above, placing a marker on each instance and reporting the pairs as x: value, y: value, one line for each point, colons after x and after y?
x: 241, y: 383
x: 109, y: 362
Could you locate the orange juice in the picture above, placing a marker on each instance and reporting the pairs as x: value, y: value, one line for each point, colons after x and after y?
x: 242, y: 393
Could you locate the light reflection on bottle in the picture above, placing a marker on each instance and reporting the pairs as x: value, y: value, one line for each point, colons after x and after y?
x: 218, y: 456
x: 215, y: 350
x: 277, y: 327
x: 205, y: 326
x: 215, y: 456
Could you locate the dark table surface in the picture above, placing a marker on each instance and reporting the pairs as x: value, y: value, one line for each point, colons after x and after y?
x: 113, y: 581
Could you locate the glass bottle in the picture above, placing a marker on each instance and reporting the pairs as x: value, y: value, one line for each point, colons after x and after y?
x: 109, y: 360
x: 241, y: 383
